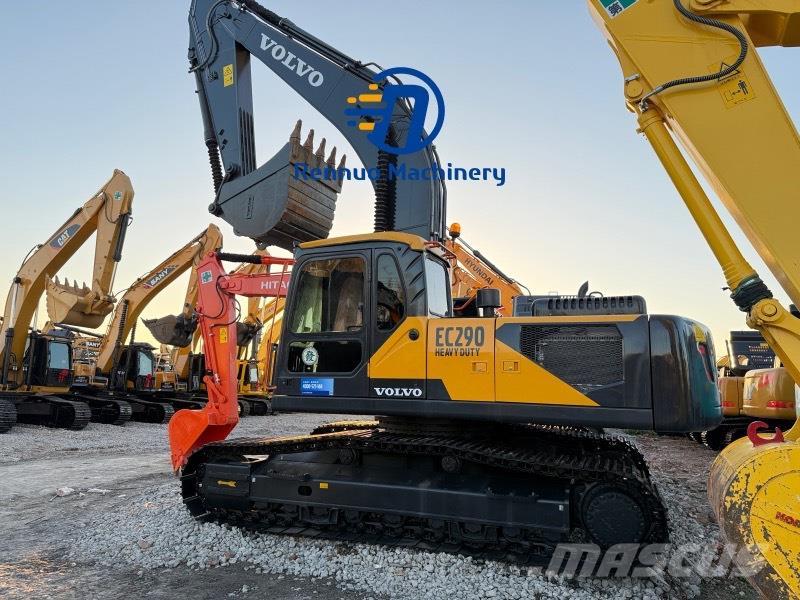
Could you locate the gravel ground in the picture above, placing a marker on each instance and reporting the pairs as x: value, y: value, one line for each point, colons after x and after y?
x: 137, y: 538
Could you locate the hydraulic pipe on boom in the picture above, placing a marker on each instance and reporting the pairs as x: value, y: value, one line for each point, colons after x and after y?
x: 731, y: 121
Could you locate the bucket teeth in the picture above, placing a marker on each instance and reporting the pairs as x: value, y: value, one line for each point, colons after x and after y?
x: 320, y: 154
x: 331, y: 162
x: 295, y: 136
x: 309, y: 143
x: 341, y: 162
x: 74, y: 304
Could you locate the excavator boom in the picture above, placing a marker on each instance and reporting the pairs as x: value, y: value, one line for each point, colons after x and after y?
x: 692, y: 74
x: 146, y: 287
x: 107, y: 213
x: 224, y: 35
x: 88, y: 307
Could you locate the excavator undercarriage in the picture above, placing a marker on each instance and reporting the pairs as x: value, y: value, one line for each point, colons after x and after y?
x: 513, y: 491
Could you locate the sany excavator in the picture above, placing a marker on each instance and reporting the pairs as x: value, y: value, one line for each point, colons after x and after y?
x: 36, y: 367
x: 368, y: 328
x: 691, y: 74
x: 124, y: 371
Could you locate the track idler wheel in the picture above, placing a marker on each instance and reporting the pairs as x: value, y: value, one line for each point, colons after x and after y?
x: 611, y: 515
x: 69, y: 415
x: 8, y: 415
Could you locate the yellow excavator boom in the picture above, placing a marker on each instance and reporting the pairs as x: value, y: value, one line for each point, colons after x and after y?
x: 107, y: 213
x: 692, y: 75
x: 148, y: 286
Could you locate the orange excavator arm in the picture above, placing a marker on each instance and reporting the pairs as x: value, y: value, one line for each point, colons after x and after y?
x: 472, y: 271
x: 216, y: 313
x: 107, y: 214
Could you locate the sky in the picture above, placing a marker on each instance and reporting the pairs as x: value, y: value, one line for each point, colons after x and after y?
x: 530, y: 86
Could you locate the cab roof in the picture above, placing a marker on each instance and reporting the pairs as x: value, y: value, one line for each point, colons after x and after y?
x: 415, y: 242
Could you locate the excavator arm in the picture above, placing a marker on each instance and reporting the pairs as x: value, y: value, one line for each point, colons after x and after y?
x: 224, y: 34
x: 163, y: 329
x: 216, y: 310
x: 147, y: 287
x: 692, y: 76
x: 107, y: 214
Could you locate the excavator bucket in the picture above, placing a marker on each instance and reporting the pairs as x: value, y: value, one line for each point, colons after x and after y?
x: 173, y: 330
x: 75, y: 305
x: 300, y: 207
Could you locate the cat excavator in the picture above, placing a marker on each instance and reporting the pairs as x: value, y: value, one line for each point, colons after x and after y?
x: 486, y: 435
x: 124, y: 370
x: 36, y: 369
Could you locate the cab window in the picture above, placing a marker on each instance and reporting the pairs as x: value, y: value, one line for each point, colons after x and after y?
x: 145, y: 364
x: 437, y: 289
x: 389, y: 295
x: 330, y: 296
x: 59, y: 356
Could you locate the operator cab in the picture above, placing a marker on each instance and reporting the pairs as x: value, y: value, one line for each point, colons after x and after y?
x: 48, y: 360
x: 370, y: 329
x: 135, y: 370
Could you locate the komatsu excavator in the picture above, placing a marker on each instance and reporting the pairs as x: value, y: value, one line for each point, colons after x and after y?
x: 369, y: 328
x: 124, y: 370
x: 36, y: 367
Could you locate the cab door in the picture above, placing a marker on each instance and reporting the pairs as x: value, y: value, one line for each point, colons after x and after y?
x: 326, y: 343
x: 397, y: 363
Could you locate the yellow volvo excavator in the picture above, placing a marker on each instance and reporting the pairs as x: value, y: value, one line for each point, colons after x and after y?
x: 36, y: 367
x: 691, y: 73
x: 124, y: 370
x: 369, y: 328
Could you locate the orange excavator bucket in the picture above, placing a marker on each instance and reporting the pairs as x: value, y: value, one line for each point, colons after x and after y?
x: 189, y: 430
x: 76, y: 305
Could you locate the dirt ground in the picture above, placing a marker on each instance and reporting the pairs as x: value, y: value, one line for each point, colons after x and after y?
x: 107, y: 467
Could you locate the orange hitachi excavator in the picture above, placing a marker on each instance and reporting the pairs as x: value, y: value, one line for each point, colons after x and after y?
x: 36, y: 367
x: 189, y: 364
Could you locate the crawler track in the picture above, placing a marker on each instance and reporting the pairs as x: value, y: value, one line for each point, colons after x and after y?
x: 8, y: 415
x: 601, y: 484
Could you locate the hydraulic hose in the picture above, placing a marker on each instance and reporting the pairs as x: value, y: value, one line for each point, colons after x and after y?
x: 722, y: 73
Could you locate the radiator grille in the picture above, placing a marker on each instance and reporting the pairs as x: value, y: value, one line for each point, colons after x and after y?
x: 585, y: 357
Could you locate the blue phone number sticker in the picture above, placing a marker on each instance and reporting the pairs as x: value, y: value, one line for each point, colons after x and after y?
x: 316, y: 387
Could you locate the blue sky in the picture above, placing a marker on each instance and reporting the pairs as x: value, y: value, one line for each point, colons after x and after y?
x: 529, y: 86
